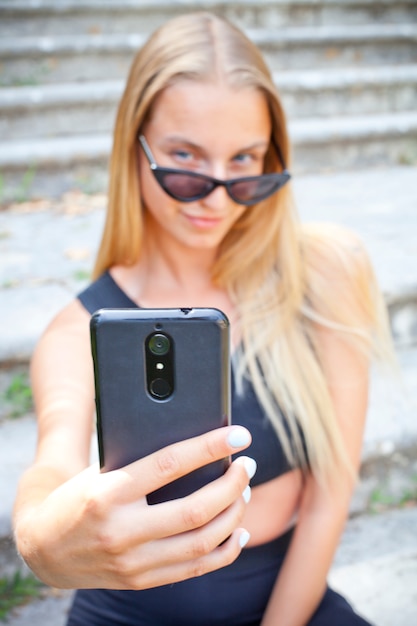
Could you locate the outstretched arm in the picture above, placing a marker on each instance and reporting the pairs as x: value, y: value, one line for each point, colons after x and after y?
x: 79, y: 528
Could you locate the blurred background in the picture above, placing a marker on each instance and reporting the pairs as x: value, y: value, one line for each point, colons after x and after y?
x: 347, y: 74
x: 346, y: 70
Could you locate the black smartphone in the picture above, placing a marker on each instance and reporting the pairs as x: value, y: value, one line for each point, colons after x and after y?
x: 161, y: 376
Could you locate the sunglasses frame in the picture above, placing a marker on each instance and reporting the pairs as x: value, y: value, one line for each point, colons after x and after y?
x: 160, y: 172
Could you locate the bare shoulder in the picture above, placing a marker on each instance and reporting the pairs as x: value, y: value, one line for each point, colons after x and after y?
x: 336, y: 261
x: 70, y: 325
x: 340, y: 283
x: 333, y: 250
x: 63, y: 352
x: 72, y: 318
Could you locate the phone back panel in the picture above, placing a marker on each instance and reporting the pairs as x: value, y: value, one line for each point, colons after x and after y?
x: 130, y: 422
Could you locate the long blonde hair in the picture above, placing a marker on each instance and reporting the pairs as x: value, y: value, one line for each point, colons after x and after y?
x: 271, y: 266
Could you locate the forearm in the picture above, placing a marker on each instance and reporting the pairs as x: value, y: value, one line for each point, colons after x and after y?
x: 60, y: 455
x: 302, y: 579
x: 323, y: 510
x: 35, y: 485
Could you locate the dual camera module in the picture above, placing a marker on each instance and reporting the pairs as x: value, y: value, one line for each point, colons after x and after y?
x: 159, y: 365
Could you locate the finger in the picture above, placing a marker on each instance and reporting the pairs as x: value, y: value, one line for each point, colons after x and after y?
x: 137, y: 523
x: 193, y: 544
x: 177, y: 571
x: 220, y: 557
x: 162, y: 467
x: 188, y: 546
x: 199, y: 508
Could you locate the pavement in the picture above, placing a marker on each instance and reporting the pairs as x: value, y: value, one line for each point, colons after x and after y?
x: 46, y: 252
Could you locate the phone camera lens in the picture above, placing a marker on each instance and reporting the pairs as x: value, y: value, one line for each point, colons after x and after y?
x: 159, y: 344
x: 160, y: 388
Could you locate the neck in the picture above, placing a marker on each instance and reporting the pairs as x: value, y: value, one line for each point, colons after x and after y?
x: 168, y: 267
x: 186, y: 271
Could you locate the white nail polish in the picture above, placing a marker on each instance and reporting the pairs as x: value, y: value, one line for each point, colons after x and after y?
x: 247, y: 494
x: 250, y: 466
x: 244, y: 538
x: 239, y: 437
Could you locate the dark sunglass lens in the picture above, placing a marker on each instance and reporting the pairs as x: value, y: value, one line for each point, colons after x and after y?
x: 255, y: 189
x: 186, y: 187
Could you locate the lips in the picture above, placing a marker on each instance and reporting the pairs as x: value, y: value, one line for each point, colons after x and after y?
x: 203, y: 221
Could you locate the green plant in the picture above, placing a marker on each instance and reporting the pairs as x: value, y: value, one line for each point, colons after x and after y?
x: 28, y: 81
x: 408, y: 156
x: 88, y: 184
x: 19, y: 396
x: 32, y: 79
x: 381, y: 499
x: 22, y: 191
x: 409, y: 497
x: 81, y: 274
x: 9, y: 284
x: 16, y: 590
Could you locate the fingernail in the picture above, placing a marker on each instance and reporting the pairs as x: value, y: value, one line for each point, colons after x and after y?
x: 247, y: 494
x: 250, y: 465
x: 239, y: 437
x: 244, y: 538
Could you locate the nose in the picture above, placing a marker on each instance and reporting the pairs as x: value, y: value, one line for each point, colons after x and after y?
x: 218, y: 199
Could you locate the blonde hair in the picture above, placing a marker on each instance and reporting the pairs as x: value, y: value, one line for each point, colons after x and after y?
x: 271, y: 266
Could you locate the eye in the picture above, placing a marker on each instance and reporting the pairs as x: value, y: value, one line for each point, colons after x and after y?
x: 243, y: 158
x: 182, y: 155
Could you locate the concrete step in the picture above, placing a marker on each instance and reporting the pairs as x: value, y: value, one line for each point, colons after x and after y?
x: 68, y: 58
x: 39, y: 167
x: 348, y: 91
x: 50, y: 167
x: 27, y: 18
x: 55, y: 110
x: 376, y: 567
x: 354, y: 141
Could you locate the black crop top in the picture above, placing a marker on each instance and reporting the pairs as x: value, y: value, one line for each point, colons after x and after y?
x: 266, y: 448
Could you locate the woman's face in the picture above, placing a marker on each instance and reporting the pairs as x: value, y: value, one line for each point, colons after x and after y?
x: 206, y: 128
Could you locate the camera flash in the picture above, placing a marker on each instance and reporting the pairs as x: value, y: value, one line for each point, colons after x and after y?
x: 159, y: 366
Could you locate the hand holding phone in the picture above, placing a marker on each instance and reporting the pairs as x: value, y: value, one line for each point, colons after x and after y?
x: 114, y: 540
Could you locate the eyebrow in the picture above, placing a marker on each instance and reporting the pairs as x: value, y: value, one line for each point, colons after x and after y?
x: 174, y: 139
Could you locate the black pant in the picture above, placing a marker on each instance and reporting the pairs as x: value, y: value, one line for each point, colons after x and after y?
x: 236, y: 595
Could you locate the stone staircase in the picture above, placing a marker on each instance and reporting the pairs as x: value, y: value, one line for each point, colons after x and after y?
x: 347, y: 71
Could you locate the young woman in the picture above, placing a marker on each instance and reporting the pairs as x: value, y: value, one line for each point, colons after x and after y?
x: 201, y: 214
